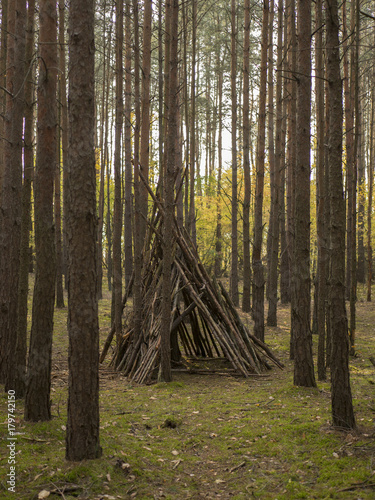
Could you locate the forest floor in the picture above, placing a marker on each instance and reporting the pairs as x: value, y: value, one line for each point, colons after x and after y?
x: 203, y: 436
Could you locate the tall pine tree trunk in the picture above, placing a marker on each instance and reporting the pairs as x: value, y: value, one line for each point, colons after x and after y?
x: 291, y: 151
x: 284, y: 254
x: 3, y: 81
x: 165, y: 373
x: 234, y: 205
x: 37, y: 402
x: 10, y: 214
x: 128, y: 213
x: 321, y: 194
x: 192, y: 221
x: 303, y: 360
x: 370, y: 194
x: 137, y: 300
x: 23, y: 290
x: 275, y: 163
x: 82, y: 434
x: 342, y: 408
x: 246, y: 306
x: 117, y: 211
x: 258, y: 273
x: 103, y: 128
x: 218, y: 235
x: 145, y: 112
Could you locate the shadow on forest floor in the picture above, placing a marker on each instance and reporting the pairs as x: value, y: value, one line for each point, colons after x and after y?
x: 204, y: 436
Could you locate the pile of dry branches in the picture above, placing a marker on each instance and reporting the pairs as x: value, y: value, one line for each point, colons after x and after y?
x: 204, y: 324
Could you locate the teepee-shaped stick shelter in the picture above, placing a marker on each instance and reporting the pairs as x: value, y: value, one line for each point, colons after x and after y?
x: 205, y: 324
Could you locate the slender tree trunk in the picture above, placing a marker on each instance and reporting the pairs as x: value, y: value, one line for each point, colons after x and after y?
x: 349, y: 142
x: 370, y: 195
x: 275, y: 162
x: 160, y: 87
x: 3, y: 82
x: 170, y: 174
x: 10, y: 214
x: 58, y: 234
x: 61, y: 153
x: 284, y: 254
x: 137, y: 301
x: 192, y: 221
x: 128, y: 264
x: 184, y: 8
x: 117, y: 211
x: 342, y: 408
x: 258, y: 273
x: 167, y: 52
x: 291, y: 151
x: 321, y: 194
x: 246, y: 305
x: 37, y: 402
x: 361, y: 199
x: 23, y: 290
x: 327, y: 223
x: 354, y: 86
x: 218, y: 236
x: 103, y: 119
x: 64, y: 127
x: 303, y: 360
x: 82, y: 434
x: 59, y: 163
x: 234, y: 247
x: 145, y: 110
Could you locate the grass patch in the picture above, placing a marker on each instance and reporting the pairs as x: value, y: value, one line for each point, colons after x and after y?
x: 204, y: 436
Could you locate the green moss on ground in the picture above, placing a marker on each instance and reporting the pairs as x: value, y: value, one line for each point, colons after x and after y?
x: 204, y: 436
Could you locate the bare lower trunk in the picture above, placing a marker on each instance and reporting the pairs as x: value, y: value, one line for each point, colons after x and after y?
x: 37, y: 402
x: 258, y: 274
x: 303, y: 360
x: 321, y: 199
x: 165, y: 373
x: 25, y: 257
x: 246, y: 163
x: 342, y: 408
x: 10, y: 214
x: 82, y: 434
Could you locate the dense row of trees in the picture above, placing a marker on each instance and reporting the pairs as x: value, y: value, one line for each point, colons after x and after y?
x: 253, y: 123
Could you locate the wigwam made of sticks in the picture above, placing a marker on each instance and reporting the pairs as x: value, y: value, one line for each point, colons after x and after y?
x: 205, y: 323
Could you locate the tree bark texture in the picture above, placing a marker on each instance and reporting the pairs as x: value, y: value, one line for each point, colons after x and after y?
x: 37, y: 402
x: 218, y: 235
x: 284, y: 253
x: 145, y: 112
x: 275, y: 186
x: 234, y: 205
x: 10, y: 215
x: 370, y: 194
x: 64, y: 126
x: 25, y: 257
x: 246, y: 305
x: 342, y: 407
x: 82, y: 435
x: 258, y: 273
x: 192, y: 171
x: 3, y: 82
x: 303, y: 360
x: 291, y: 148
x: 321, y: 195
x: 165, y: 373
x: 128, y: 214
x: 117, y: 210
